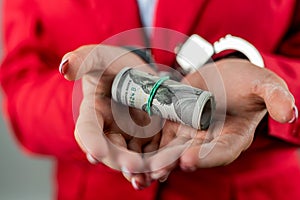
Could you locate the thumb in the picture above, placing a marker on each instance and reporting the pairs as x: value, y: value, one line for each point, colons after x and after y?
x: 279, y: 101
x: 73, y: 65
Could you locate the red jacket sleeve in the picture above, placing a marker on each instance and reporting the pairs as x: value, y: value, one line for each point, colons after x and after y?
x: 286, y: 63
x: 37, y: 99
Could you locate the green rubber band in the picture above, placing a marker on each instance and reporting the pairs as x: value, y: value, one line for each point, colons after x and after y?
x: 153, y: 92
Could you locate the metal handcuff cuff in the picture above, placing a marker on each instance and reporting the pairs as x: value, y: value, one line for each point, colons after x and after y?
x: 196, y: 51
x: 188, y: 54
x: 192, y: 54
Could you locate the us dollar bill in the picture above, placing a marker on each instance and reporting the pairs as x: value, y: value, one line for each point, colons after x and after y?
x: 173, y: 100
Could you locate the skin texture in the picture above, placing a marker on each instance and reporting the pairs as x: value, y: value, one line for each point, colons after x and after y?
x: 113, y: 147
x: 250, y: 92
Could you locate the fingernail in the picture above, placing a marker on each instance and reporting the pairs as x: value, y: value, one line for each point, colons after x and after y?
x: 296, y: 114
x: 148, y: 180
x: 135, y: 185
x: 188, y: 169
x: 91, y: 159
x: 157, y: 175
x: 165, y: 178
x: 125, y: 170
x: 63, y: 67
x: 126, y: 173
x: 296, y: 111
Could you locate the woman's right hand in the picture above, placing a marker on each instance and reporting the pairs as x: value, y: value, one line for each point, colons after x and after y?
x: 96, y: 131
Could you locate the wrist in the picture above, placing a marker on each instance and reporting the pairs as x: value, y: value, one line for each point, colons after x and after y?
x: 144, y: 54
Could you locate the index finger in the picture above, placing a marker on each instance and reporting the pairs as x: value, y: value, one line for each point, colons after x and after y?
x: 96, y: 58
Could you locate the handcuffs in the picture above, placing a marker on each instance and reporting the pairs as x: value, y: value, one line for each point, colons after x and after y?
x: 196, y: 51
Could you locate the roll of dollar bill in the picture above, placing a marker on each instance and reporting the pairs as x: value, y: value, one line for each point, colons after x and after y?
x: 172, y: 100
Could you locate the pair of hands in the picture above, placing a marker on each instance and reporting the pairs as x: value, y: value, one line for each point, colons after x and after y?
x: 247, y: 93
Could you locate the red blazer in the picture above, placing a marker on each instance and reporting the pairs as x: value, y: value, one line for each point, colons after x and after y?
x: 38, y: 100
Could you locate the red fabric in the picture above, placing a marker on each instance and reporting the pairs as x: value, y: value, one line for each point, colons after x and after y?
x: 38, y: 101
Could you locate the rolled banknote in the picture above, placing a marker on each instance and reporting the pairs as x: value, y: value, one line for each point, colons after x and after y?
x: 171, y: 100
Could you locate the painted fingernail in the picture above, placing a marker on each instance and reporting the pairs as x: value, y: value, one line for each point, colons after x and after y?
x: 135, y: 184
x: 296, y: 111
x: 63, y: 67
x: 296, y: 114
x: 148, y: 180
x: 91, y: 159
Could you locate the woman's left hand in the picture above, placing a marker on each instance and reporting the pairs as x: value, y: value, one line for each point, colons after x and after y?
x: 250, y: 92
